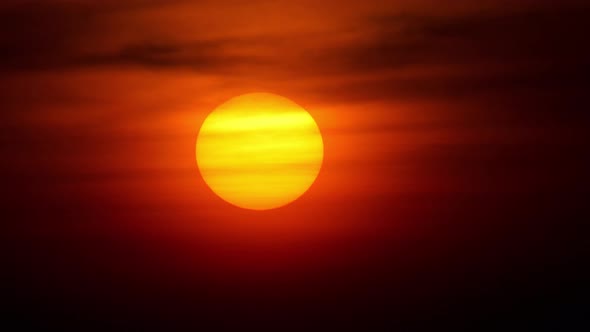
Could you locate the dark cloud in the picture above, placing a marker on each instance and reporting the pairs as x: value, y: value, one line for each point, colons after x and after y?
x: 531, y: 35
x: 203, y: 56
x: 49, y: 35
x: 528, y: 59
x: 54, y: 35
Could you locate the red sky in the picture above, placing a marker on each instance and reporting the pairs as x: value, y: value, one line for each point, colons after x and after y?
x: 434, y: 116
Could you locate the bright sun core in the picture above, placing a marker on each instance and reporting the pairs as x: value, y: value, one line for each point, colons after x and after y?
x: 259, y: 151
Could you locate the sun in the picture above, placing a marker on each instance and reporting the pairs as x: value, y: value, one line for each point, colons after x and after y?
x: 259, y: 151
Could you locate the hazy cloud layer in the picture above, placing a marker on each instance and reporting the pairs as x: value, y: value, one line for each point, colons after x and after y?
x: 505, y: 68
x: 454, y: 54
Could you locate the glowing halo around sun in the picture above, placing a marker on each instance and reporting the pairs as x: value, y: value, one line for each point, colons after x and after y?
x: 259, y: 151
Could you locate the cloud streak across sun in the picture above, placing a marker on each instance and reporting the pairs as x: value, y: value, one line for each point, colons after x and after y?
x: 259, y: 151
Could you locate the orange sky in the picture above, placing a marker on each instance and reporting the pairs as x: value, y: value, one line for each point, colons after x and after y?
x: 454, y: 138
x: 111, y: 96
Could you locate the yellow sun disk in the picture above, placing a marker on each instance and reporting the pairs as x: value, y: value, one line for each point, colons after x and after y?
x: 259, y: 151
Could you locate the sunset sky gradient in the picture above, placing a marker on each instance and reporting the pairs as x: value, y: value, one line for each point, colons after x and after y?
x: 455, y: 137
